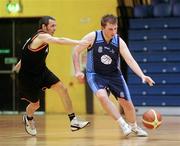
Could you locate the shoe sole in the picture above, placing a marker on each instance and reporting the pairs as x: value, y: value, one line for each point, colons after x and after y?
x: 139, y: 135
x: 73, y: 130
x: 128, y: 134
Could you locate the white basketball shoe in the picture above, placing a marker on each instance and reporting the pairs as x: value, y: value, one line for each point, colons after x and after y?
x: 77, y: 124
x: 126, y: 129
x: 139, y: 132
x: 29, y: 126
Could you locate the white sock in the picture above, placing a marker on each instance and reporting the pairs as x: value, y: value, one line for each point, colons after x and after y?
x: 121, y: 121
x: 133, y: 125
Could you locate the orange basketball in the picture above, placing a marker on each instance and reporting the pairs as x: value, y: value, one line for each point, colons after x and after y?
x: 152, y: 119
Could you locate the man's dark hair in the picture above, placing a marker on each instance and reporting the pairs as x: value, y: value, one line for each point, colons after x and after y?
x: 109, y: 18
x: 45, y: 20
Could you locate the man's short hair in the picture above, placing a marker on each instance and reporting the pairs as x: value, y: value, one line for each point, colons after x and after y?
x: 109, y: 18
x: 45, y: 20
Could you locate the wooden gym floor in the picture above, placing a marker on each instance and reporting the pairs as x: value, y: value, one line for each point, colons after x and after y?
x: 53, y: 130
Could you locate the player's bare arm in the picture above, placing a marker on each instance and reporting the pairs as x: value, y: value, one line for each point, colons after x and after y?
x: 77, y: 50
x: 133, y: 64
x: 47, y: 38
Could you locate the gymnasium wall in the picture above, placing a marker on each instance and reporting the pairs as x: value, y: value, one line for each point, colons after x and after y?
x: 74, y: 19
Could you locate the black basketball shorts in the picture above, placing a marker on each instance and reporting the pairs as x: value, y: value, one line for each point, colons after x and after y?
x: 31, y: 87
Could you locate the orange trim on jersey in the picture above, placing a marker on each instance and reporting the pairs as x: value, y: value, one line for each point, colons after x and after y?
x: 39, y: 48
x: 36, y: 35
x: 23, y: 98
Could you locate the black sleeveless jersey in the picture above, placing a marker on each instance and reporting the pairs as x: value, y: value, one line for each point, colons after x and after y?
x: 33, y: 60
x: 103, y: 57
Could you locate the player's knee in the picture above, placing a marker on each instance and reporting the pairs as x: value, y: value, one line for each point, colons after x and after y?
x: 128, y: 105
x: 59, y: 86
x: 65, y: 89
x: 102, y: 99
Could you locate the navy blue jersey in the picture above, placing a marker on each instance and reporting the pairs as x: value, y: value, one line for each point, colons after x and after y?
x: 33, y: 60
x: 104, y: 58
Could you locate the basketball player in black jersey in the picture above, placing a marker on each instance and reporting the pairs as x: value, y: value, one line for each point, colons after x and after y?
x: 34, y: 76
x: 103, y: 72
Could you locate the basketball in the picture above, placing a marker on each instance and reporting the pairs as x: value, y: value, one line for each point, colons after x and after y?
x: 152, y: 119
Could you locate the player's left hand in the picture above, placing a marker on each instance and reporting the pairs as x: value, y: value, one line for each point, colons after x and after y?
x: 148, y: 80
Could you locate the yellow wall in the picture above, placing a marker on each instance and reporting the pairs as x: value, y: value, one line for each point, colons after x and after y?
x: 74, y: 19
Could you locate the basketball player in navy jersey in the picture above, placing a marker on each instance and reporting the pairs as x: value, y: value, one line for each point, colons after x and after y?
x: 102, y: 72
x: 34, y: 76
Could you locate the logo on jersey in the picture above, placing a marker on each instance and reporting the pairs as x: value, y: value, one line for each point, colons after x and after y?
x: 100, y: 49
x: 107, y: 48
x: 105, y: 59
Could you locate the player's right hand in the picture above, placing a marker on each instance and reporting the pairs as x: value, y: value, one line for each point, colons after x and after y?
x: 148, y: 80
x: 80, y: 76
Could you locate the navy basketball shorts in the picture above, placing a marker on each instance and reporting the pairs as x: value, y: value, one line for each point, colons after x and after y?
x: 115, y: 83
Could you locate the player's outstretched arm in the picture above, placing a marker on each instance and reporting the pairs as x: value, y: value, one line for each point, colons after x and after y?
x: 47, y: 38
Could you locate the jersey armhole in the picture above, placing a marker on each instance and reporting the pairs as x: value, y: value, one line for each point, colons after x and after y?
x: 118, y: 42
x: 88, y: 49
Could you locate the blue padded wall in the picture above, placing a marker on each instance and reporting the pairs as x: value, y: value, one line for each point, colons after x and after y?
x: 155, y: 44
